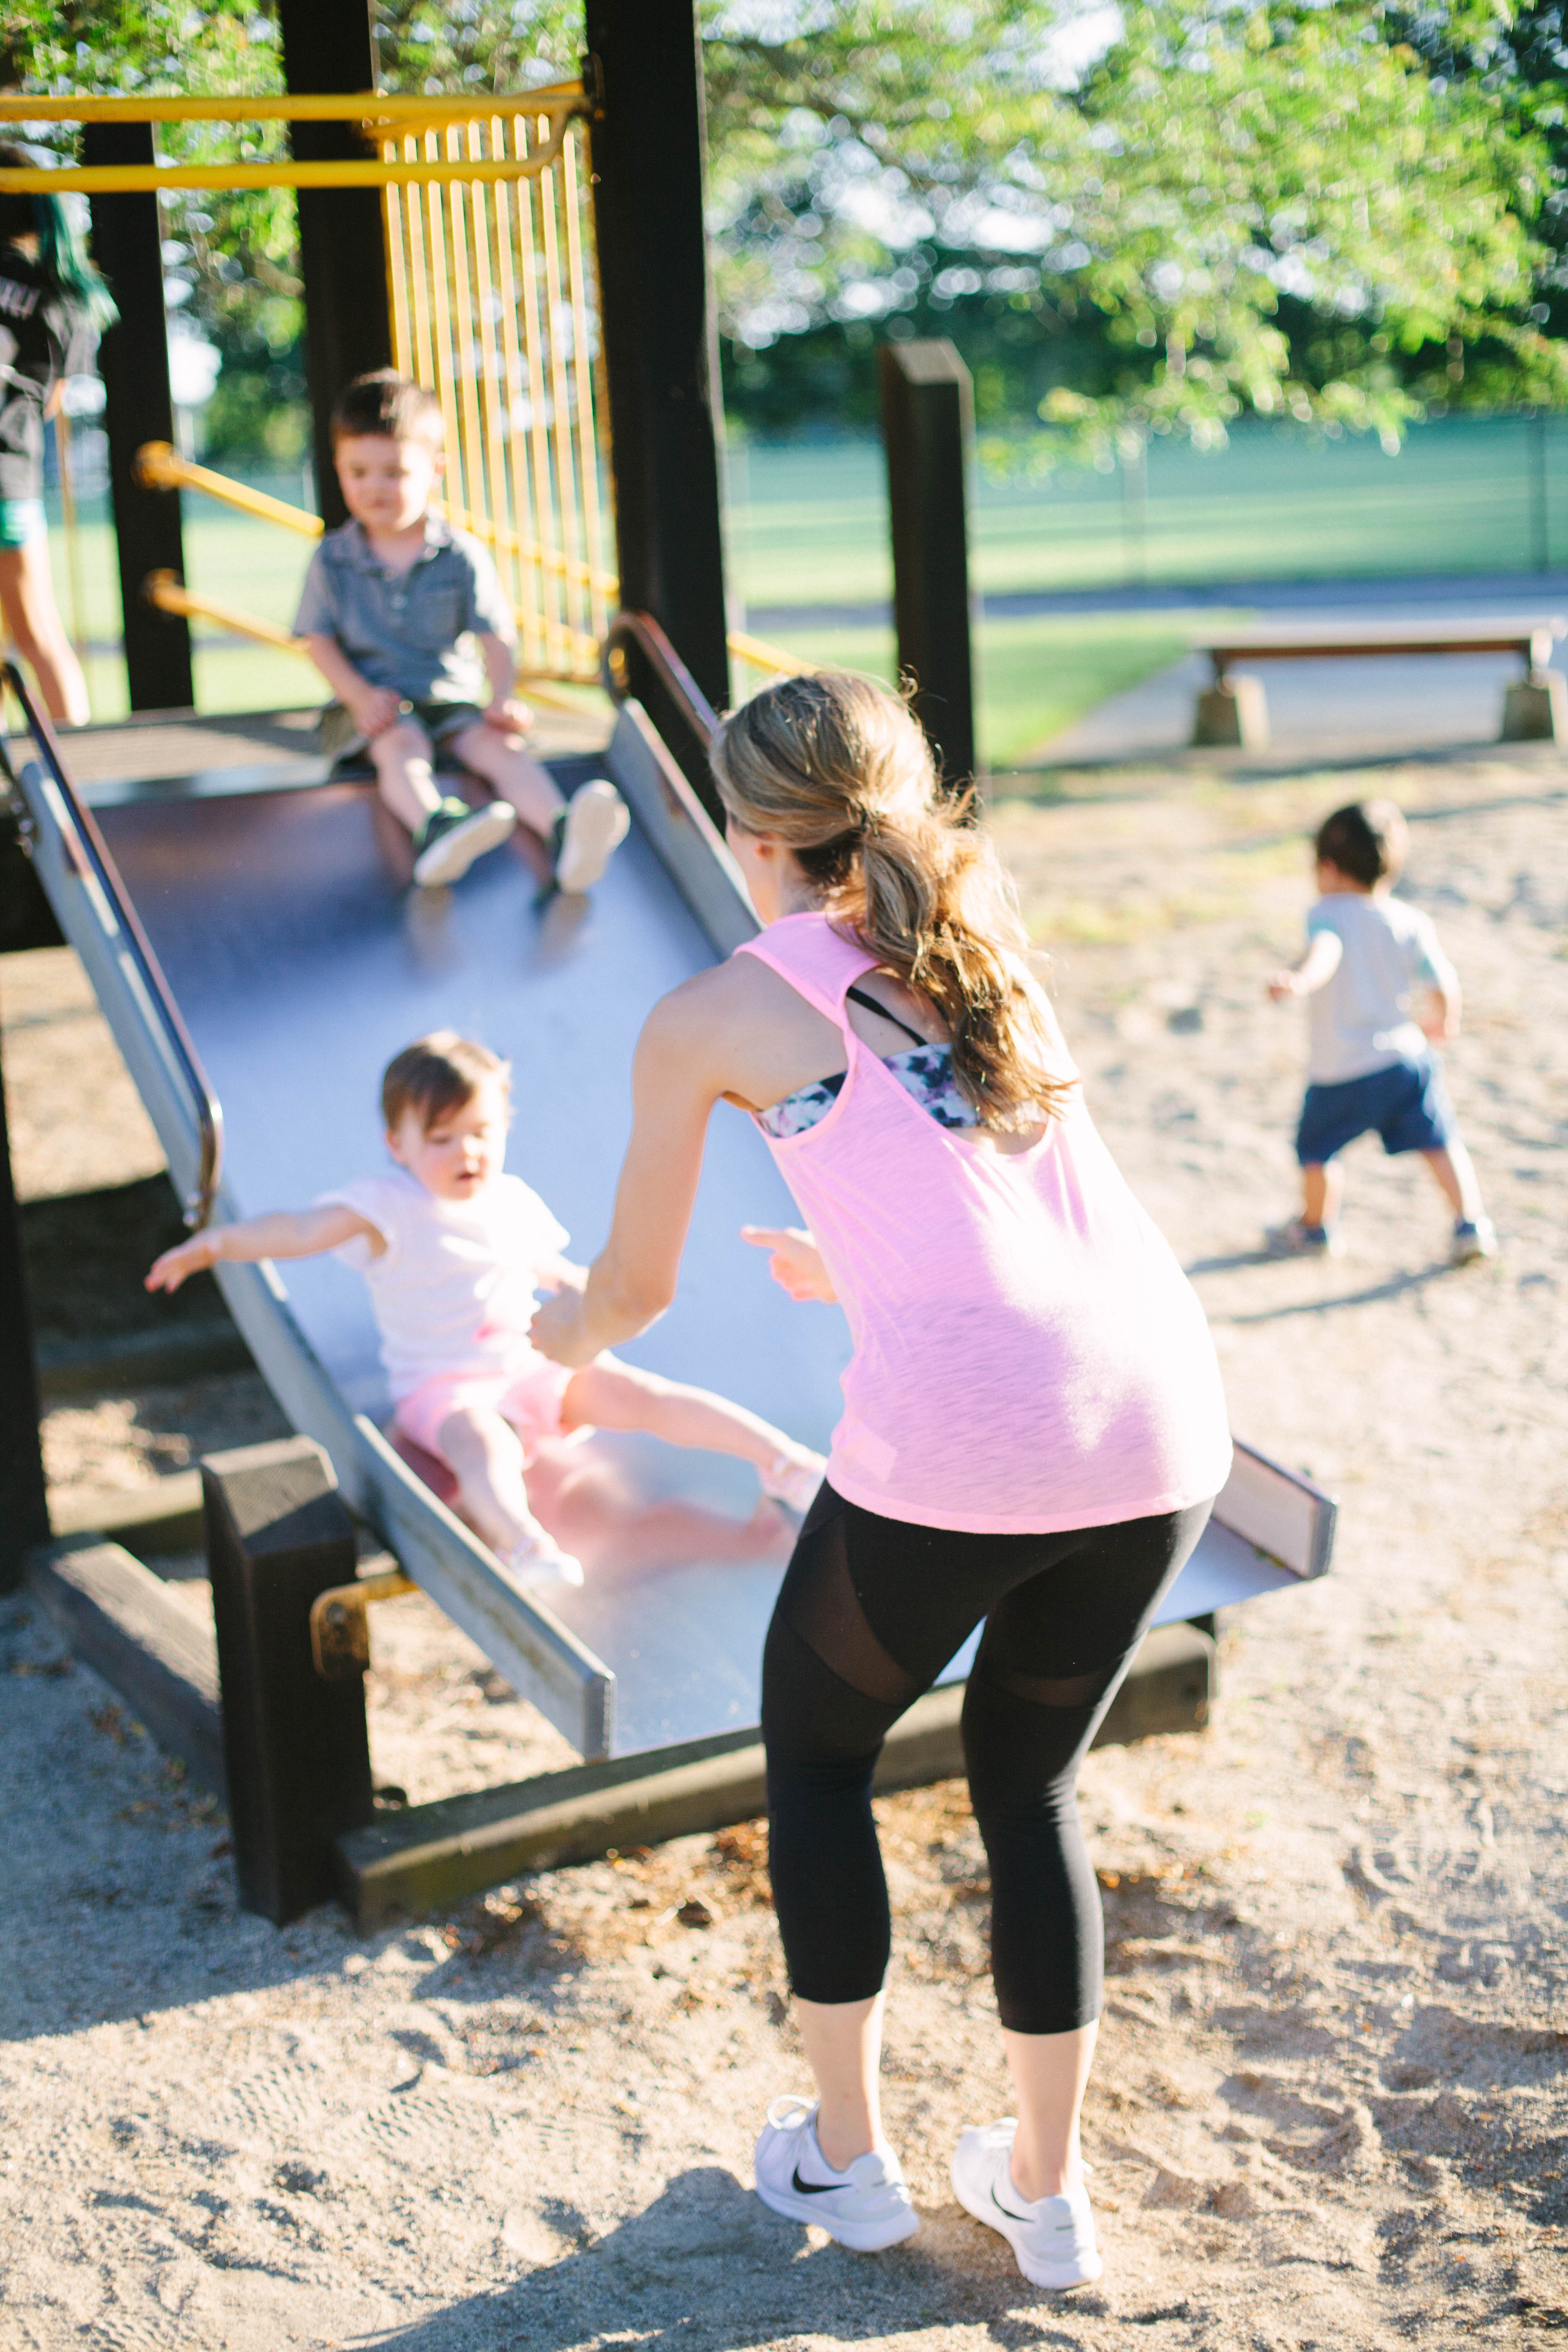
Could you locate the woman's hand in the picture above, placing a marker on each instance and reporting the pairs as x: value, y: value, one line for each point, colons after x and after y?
x: 796, y: 1262
x: 178, y: 1265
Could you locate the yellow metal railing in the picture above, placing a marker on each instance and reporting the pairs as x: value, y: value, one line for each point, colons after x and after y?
x: 381, y: 117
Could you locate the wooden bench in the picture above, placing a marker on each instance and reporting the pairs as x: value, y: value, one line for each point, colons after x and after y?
x: 1233, y: 710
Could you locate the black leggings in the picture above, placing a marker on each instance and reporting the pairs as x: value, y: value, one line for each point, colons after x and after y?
x: 870, y: 1611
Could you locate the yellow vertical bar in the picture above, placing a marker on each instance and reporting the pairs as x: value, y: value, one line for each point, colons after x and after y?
x: 541, y: 496
x: 568, y: 535
x: 491, y: 391
x: 397, y: 275
x: 423, y: 360
x: 506, y: 283
x: 461, y: 137
x: 441, y: 326
x: 582, y: 361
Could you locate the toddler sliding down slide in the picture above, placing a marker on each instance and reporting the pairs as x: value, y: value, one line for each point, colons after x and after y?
x: 454, y: 1250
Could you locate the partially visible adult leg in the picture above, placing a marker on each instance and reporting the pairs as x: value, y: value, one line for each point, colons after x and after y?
x: 1053, y: 1655
x: 33, y: 620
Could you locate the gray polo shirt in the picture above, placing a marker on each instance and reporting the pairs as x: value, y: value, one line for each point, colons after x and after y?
x: 410, y: 630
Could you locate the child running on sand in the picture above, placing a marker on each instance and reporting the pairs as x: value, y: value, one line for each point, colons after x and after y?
x: 406, y: 621
x: 454, y: 1250
x: 1369, y: 1066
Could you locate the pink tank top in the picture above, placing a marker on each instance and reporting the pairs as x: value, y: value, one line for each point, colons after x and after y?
x: 1028, y: 1355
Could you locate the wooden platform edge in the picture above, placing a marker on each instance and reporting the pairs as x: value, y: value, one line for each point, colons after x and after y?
x: 121, y: 1621
x: 431, y: 1856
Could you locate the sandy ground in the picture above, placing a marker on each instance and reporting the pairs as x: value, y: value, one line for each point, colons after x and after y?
x: 1332, y: 2104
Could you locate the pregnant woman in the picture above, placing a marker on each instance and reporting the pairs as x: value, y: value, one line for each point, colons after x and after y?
x: 1033, y: 1429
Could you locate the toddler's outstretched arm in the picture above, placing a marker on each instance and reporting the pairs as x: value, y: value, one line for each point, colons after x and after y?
x: 285, y: 1233
x: 1313, y: 969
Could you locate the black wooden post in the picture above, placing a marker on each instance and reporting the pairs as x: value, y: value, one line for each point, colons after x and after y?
x: 661, y: 353
x: 327, y: 46
x: 928, y: 423
x: 24, y: 1499
x: 133, y: 360
x: 295, y: 1747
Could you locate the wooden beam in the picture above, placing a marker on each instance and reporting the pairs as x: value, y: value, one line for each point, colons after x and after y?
x: 134, y: 361
x: 928, y: 426
x: 125, y: 1623
x: 328, y: 48
x: 435, y: 1855
x: 295, y: 1748
x: 660, y: 342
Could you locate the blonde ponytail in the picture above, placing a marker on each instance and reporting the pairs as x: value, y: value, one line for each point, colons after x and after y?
x: 839, y: 769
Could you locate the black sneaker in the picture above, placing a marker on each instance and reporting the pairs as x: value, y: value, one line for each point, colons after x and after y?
x: 453, y: 834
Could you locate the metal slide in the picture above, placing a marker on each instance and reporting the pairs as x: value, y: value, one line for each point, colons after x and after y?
x: 253, y: 943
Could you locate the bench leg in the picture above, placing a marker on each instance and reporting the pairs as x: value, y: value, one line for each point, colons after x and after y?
x: 1232, y: 712
x: 1536, y: 709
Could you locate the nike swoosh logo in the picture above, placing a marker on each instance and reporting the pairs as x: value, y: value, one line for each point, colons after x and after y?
x: 1025, y: 2218
x: 813, y: 2188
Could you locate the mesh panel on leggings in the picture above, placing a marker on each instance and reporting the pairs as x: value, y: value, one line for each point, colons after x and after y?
x: 1048, y: 1690
x: 819, y: 1604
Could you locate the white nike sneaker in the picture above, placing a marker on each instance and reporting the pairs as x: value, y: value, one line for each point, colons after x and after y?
x: 595, y: 823
x: 864, y: 2209
x: 794, y: 1478
x: 538, y: 1558
x: 1052, y: 2237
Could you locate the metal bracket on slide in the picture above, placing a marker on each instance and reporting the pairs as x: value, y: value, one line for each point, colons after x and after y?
x: 340, y: 1628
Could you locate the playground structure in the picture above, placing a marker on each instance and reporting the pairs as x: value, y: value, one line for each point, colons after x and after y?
x: 249, y: 937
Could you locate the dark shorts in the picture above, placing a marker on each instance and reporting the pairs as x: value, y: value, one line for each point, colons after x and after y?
x: 339, y: 738
x: 1407, y: 1106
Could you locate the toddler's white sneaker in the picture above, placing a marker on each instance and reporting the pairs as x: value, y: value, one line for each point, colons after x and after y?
x: 1052, y: 2237
x: 591, y: 828
x: 792, y: 1480
x: 866, y: 2208
x: 538, y: 1558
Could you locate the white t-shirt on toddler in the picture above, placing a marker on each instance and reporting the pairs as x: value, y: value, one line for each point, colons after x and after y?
x: 455, y: 1287
x: 1359, y: 1020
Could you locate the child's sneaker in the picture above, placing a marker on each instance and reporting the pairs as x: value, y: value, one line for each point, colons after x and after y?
x: 1052, y: 2237
x: 866, y: 2208
x: 792, y: 1479
x: 588, y: 831
x: 1473, y: 1237
x: 538, y: 1558
x: 1299, y: 1239
x: 453, y: 834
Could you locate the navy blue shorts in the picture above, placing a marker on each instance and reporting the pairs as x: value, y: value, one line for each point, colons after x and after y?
x: 1407, y: 1106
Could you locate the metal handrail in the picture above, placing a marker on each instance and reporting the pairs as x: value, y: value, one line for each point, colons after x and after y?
x: 88, y: 854
x: 643, y: 631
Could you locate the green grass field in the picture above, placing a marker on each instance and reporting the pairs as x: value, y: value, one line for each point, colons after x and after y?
x: 808, y: 530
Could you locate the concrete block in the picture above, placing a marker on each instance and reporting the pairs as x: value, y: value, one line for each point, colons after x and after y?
x: 1535, y: 710
x: 1235, y: 712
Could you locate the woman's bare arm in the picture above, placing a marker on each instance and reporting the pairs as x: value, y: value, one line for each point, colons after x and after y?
x: 286, y: 1233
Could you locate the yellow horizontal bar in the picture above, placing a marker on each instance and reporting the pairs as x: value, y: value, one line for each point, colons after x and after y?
x: 359, y: 106
x: 496, y: 534
x: 160, y: 467
x: 765, y: 656
x: 127, y: 179
x: 162, y: 588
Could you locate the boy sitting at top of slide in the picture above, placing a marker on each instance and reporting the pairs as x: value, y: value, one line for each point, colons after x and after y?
x: 406, y: 621
x: 452, y: 1251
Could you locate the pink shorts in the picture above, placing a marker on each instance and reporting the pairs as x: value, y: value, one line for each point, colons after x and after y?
x: 531, y: 1403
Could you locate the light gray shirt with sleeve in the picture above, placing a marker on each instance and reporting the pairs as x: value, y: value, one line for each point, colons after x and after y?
x: 410, y: 630
x: 1360, y: 1019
